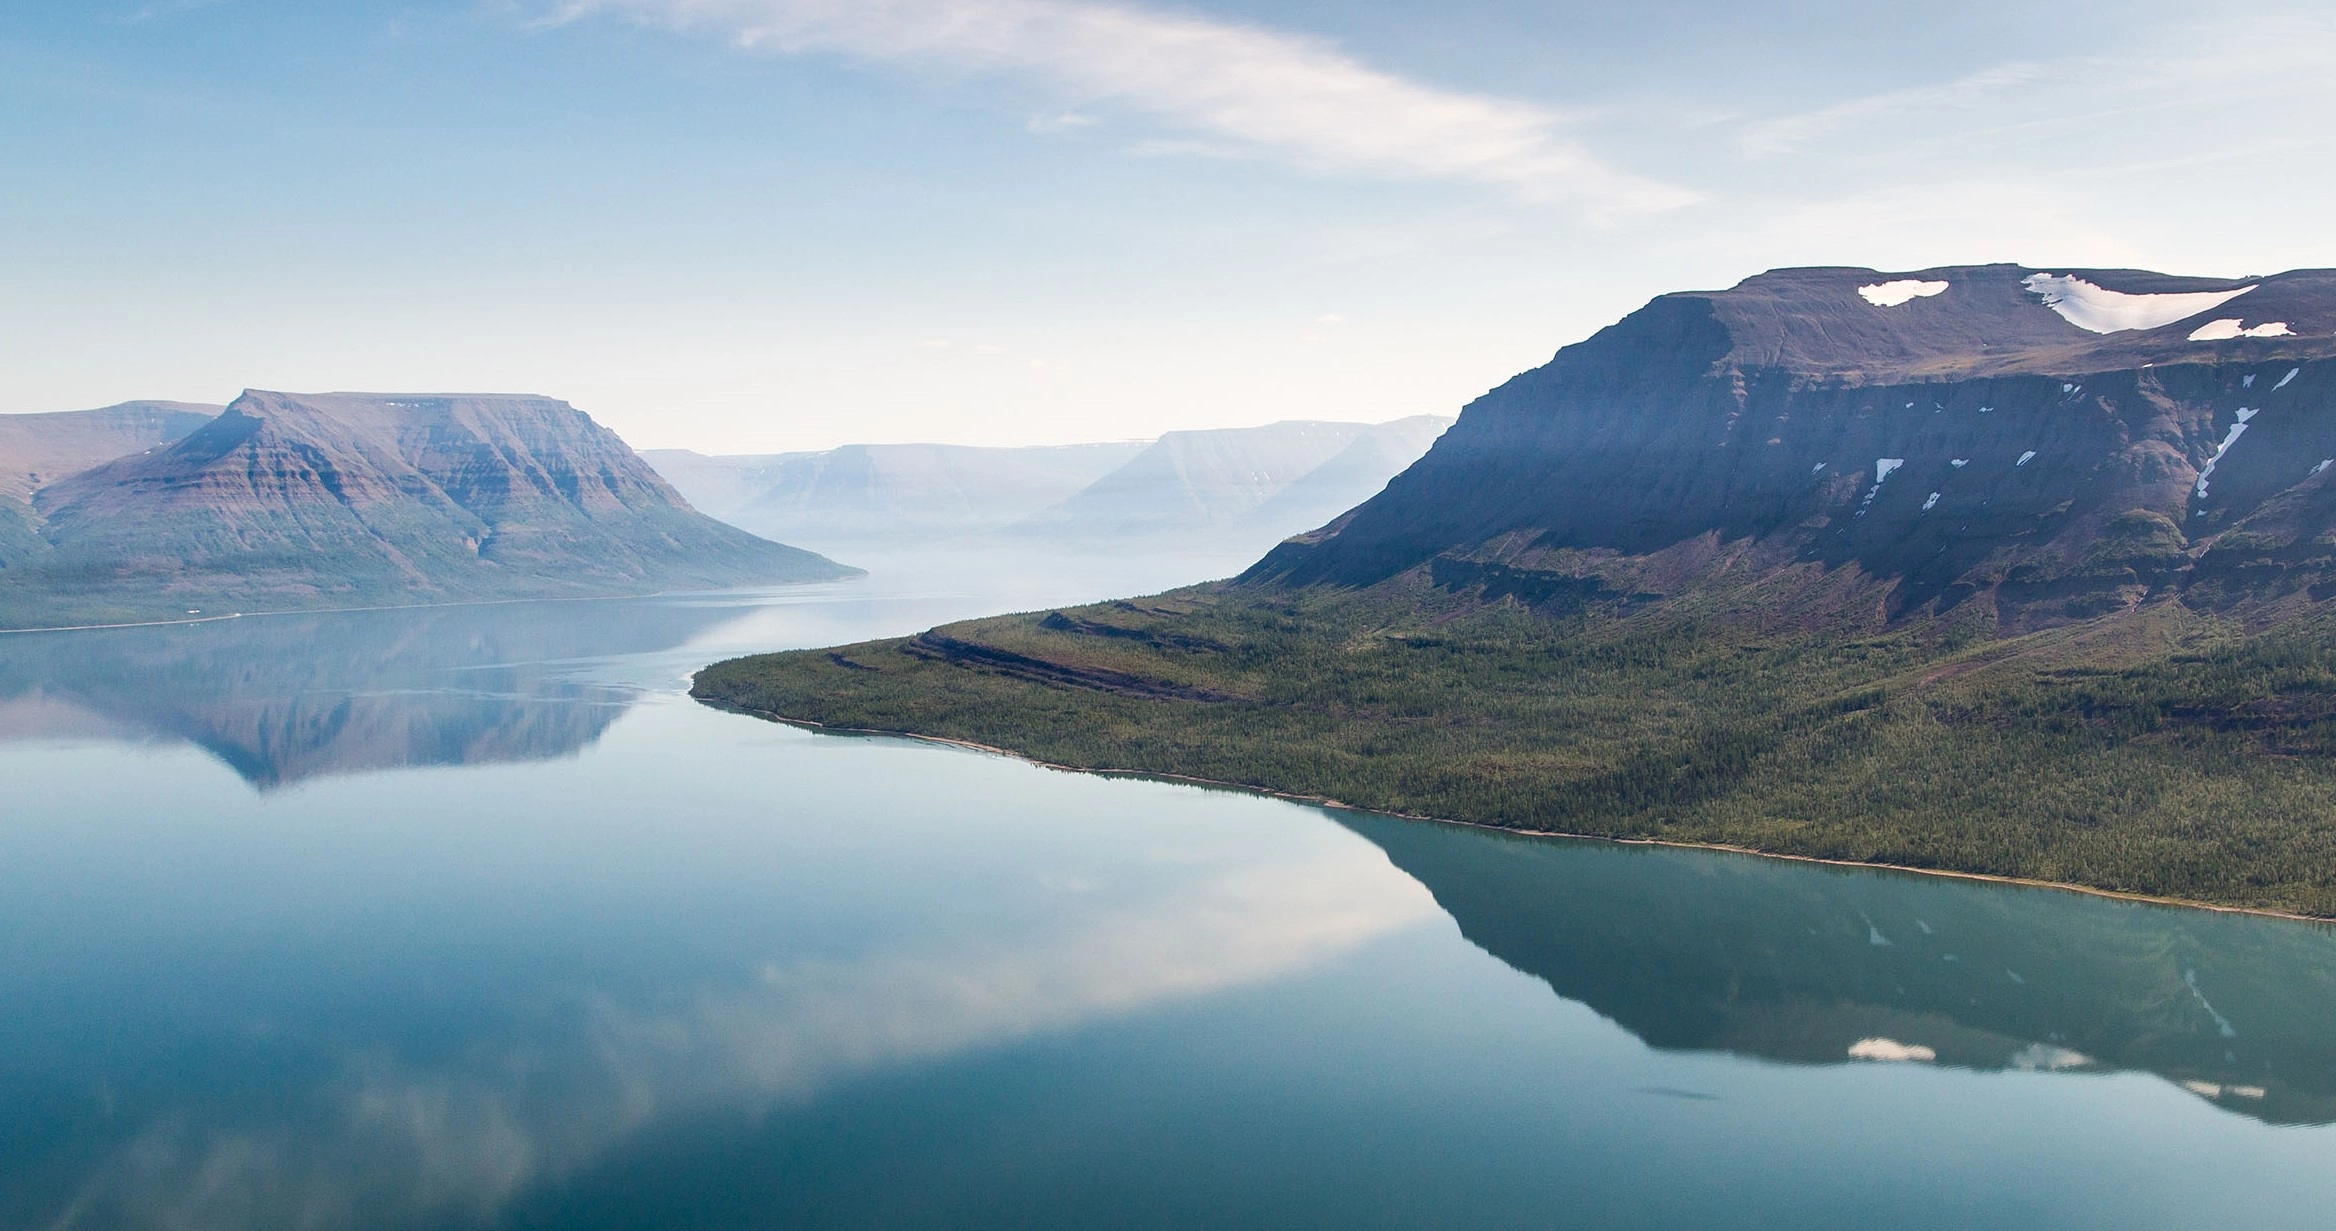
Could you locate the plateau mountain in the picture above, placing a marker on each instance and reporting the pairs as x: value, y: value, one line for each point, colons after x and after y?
x: 2052, y: 445
x: 335, y: 500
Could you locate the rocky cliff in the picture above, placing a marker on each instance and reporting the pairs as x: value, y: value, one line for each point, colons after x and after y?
x: 299, y: 500
x: 2035, y: 446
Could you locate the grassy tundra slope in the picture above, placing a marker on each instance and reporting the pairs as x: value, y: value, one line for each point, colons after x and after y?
x: 2167, y: 753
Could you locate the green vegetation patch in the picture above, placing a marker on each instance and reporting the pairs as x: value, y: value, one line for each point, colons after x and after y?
x: 2158, y: 752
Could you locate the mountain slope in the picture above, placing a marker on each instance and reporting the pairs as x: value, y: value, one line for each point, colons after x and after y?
x: 1972, y: 443
x: 299, y: 500
x: 38, y: 449
x: 1990, y: 569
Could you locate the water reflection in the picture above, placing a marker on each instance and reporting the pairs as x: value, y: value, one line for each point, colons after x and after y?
x: 463, y: 1056
x: 285, y: 698
x: 1808, y: 964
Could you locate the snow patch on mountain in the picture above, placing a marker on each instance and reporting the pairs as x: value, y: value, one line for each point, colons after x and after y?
x: 2097, y: 309
x: 1904, y: 290
x: 2232, y: 327
x: 2237, y: 429
x: 1891, y: 1051
x: 1882, y: 468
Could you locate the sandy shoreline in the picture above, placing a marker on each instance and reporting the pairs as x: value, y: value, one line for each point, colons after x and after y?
x: 1324, y: 801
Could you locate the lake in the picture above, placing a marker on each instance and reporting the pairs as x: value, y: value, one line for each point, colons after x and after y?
x: 469, y: 917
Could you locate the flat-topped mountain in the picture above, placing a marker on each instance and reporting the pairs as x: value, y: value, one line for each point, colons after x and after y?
x: 333, y: 500
x: 2054, y: 443
x: 2014, y: 571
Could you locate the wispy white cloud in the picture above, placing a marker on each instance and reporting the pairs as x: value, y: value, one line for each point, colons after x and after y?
x: 1227, y: 84
x: 1786, y: 134
x: 2248, y: 69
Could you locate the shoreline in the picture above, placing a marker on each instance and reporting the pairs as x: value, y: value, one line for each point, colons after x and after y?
x: 1673, y: 843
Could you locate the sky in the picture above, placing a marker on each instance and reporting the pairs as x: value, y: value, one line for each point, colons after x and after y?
x: 765, y: 225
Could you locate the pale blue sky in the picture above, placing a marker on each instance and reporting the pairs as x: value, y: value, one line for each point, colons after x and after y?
x: 770, y: 224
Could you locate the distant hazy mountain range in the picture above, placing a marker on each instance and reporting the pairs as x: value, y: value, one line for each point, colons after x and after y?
x: 881, y: 491
x: 1257, y: 484
x: 281, y: 501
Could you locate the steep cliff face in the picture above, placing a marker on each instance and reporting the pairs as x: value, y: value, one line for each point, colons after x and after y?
x: 336, y: 499
x: 2056, y: 443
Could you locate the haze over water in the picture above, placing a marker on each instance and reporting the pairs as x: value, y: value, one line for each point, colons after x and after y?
x: 470, y: 917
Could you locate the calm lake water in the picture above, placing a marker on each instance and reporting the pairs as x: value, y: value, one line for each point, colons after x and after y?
x: 469, y: 917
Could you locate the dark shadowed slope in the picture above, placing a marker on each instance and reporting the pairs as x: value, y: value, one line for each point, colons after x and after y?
x: 300, y: 500
x: 1978, y: 441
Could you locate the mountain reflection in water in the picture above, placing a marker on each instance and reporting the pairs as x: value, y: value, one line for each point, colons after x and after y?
x: 285, y: 698
x: 1811, y: 964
